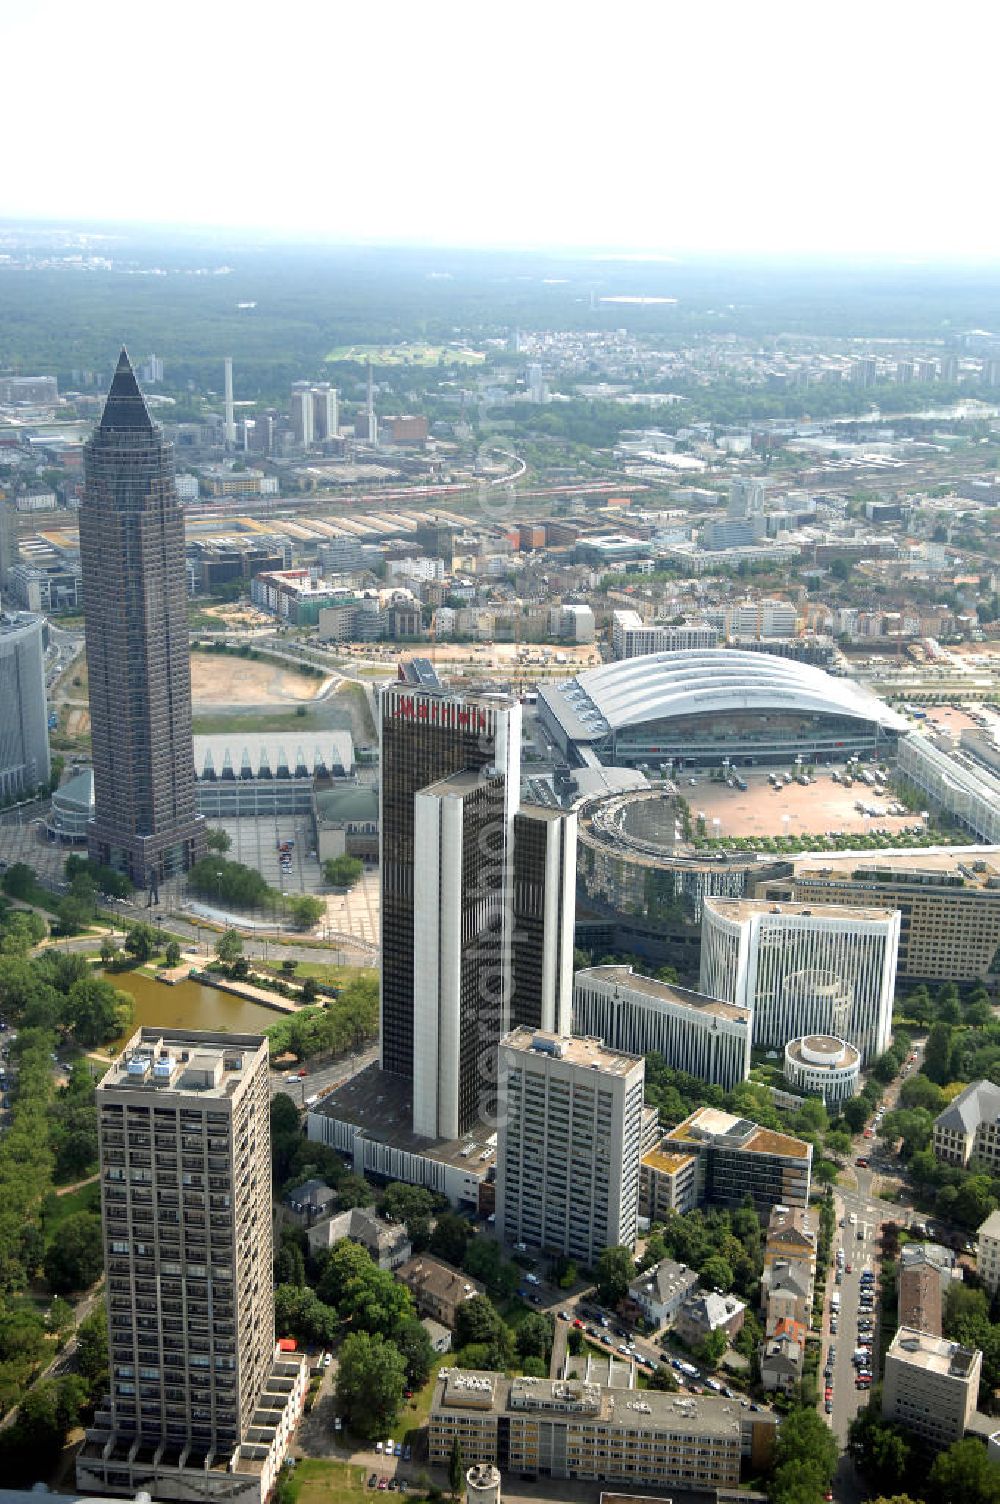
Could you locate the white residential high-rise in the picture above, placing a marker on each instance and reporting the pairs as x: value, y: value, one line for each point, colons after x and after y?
x: 802, y: 970
x: 230, y: 424
x: 201, y: 1404
x: 569, y: 1144
x: 326, y: 411
x: 700, y: 1035
x: 302, y: 413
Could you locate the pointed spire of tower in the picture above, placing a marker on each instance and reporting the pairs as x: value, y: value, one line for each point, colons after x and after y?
x: 126, y: 406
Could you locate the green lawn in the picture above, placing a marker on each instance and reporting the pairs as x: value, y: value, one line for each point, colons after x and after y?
x: 323, y: 971
x: 316, y: 1480
x: 86, y: 1199
x: 413, y: 1416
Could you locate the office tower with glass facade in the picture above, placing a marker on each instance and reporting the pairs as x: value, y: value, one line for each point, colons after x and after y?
x: 427, y: 736
x: 24, y: 735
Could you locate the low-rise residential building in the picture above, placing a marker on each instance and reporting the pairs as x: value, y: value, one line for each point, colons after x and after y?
x: 788, y: 1295
x: 931, y: 1385
x: 988, y: 1261
x: 578, y: 1429
x: 783, y: 1354
x: 659, y: 1292
x: 437, y: 1289
x: 969, y: 1127
x: 387, y: 1242
x: 703, y: 1312
x: 308, y: 1202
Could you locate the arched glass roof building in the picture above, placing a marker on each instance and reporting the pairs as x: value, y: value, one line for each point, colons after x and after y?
x: 699, y: 706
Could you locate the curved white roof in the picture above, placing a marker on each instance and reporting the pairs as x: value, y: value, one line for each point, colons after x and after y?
x: 698, y: 681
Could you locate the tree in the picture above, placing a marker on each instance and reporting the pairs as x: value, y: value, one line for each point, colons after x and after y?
x: 964, y: 1472
x: 937, y: 1054
x: 615, y: 1272
x: 370, y: 1383
x: 880, y: 1450
x: 855, y: 1114
x: 664, y: 1379
x: 92, y: 1349
x: 288, y: 967
x: 716, y: 1274
x: 456, y: 1469
x: 342, y: 871
x: 96, y: 1011
x: 803, y: 1436
x: 217, y: 839
x: 310, y: 991
x: 141, y: 942
x: 229, y: 946
x: 534, y: 1335
x: 712, y: 1347
x: 299, y: 1313
x: 305, y: 911
x: 75, y: 1259
x: 172, y: 954
x: 354, y: 1190
x: 108, y: 950
x: 416, y: 1349
x: 482, y: 1335
x: 450, y: 1237
x: 60, y: 1316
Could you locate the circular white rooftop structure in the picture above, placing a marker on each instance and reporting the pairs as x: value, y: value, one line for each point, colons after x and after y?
x: 824, y: 1065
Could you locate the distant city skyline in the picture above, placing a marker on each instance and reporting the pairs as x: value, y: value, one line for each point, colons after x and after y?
x: 741, y: 131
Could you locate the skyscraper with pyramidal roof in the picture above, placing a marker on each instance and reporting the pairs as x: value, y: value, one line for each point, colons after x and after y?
x: 138, y: 660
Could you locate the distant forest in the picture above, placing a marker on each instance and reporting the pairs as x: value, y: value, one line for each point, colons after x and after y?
x: 169, y: 295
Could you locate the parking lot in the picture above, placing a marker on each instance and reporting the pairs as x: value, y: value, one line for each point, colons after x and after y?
x: 761, y: 809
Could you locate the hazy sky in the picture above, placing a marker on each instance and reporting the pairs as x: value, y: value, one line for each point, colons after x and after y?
x: 740, y: 127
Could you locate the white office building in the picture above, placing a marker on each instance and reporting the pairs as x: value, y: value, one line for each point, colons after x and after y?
x: 931, y: 1385
x: 707, y: 1038
x: 569, y: 1144
x: 800, y: 970
x: 460, y: 934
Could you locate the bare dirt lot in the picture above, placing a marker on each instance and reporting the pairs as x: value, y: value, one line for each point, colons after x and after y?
x: 793, y: 810
x: 228, y: 680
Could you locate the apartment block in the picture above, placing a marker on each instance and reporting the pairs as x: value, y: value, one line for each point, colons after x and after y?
x: 969, y: 1127
x: 930, y: 1386
x: 582, y: 1430
x: 199, y: 1402
x: 693, y: 1033
x: 631, y: 637
x: 569, y: 1144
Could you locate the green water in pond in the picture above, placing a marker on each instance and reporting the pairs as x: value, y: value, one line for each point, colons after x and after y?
x: 189, y: 1005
